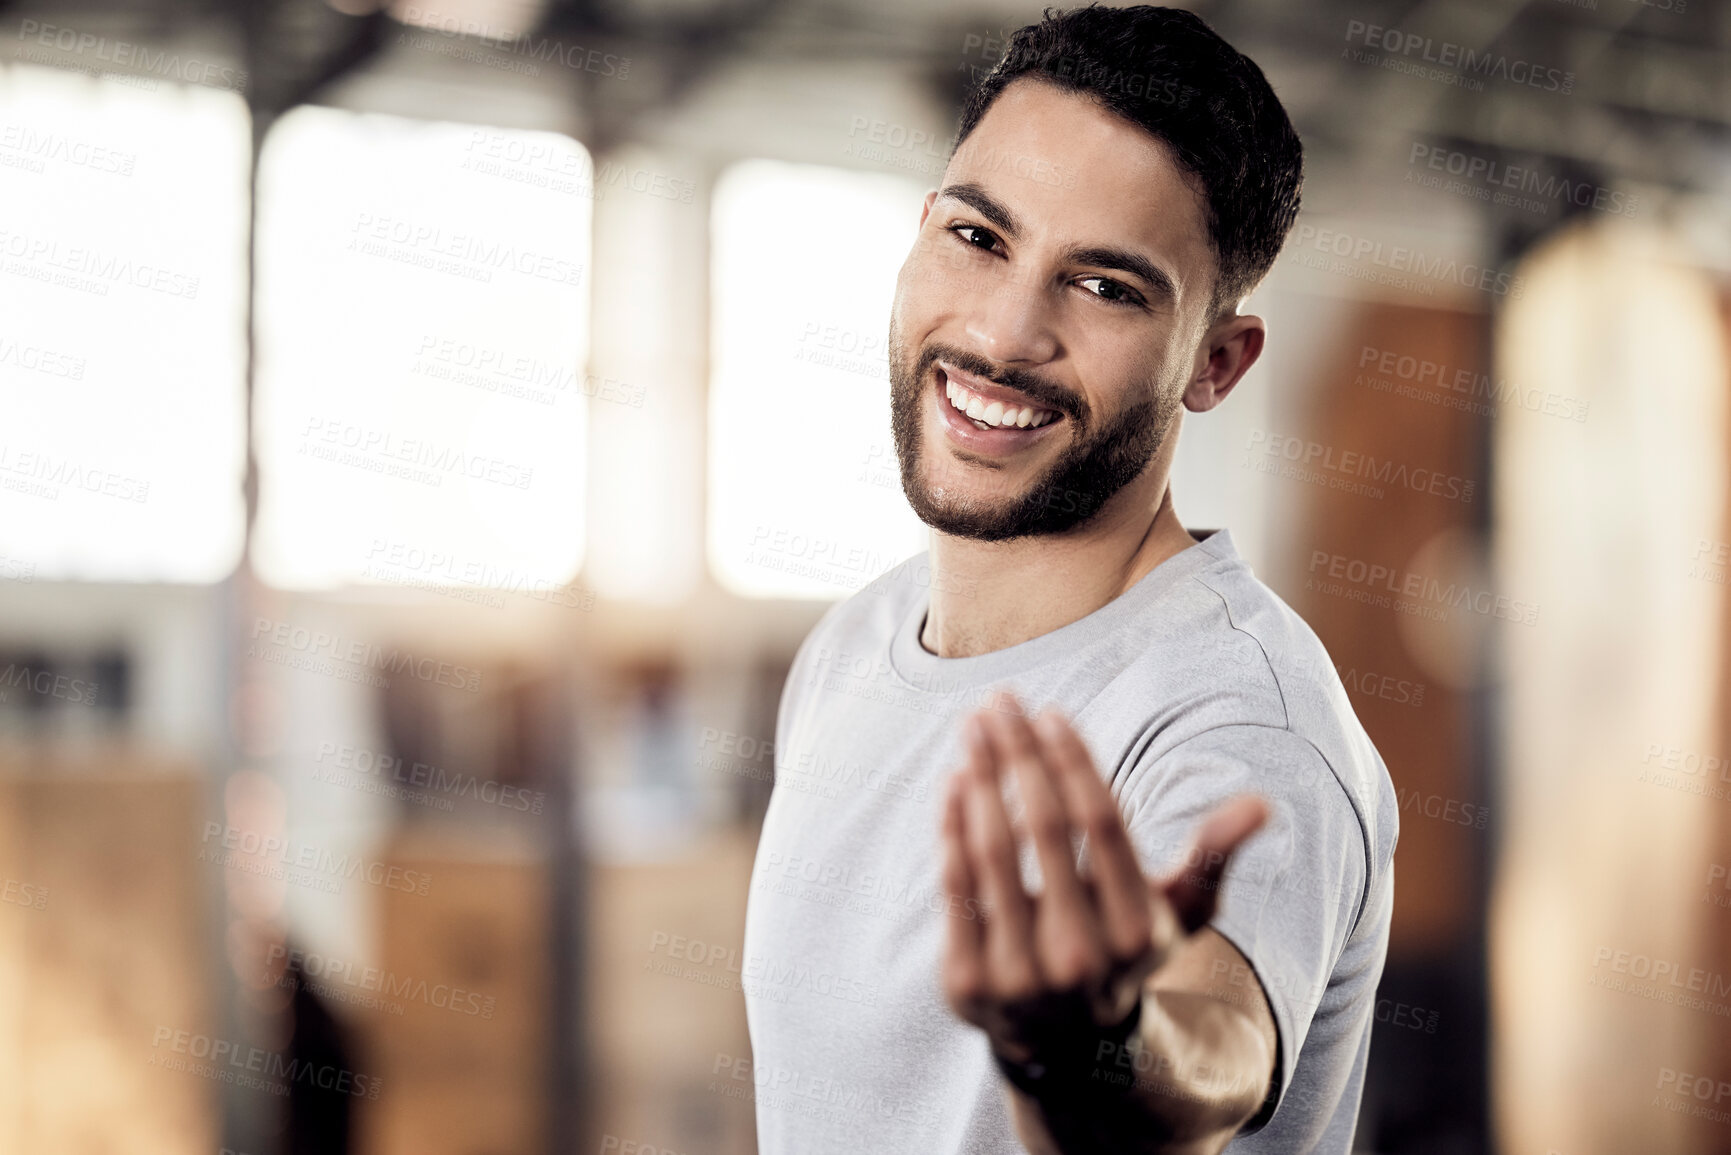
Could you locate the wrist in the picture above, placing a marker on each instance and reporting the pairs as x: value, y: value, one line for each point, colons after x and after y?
x: 1069, y: 1061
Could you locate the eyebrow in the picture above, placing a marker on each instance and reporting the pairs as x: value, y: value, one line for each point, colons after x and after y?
x: 986, y: 205
x: 1126, y: 261
x: 1099, y: 256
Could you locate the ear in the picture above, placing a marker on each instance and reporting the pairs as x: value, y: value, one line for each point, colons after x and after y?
x: 1226, y: 353
x: 926, y: 208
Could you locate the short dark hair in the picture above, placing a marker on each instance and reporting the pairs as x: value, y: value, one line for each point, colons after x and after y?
x: 1166, y: 71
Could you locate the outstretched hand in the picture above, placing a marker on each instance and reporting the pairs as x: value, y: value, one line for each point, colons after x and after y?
x: 1074, y: 957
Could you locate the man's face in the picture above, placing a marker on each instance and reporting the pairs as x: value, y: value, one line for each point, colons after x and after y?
x: 1063, y: 267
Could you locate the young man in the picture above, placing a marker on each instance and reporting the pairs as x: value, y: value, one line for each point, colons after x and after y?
x: 1159, y: 928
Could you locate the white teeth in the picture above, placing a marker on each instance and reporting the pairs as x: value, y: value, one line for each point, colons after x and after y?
x: 995, y: 414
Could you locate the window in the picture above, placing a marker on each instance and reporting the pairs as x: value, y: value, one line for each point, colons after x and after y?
x: 122, y: 328
x: 423, y: 304
x: 805, y: 496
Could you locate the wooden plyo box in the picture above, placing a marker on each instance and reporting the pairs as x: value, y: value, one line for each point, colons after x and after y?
x: 464, y: 1066
x: 103, y: 945
x: 665, y: 947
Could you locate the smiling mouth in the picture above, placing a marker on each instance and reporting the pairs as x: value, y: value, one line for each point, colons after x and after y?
x: 986, y: 405
x: 996, y: 415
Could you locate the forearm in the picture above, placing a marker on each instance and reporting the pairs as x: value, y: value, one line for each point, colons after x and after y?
x: 1196, y: 1070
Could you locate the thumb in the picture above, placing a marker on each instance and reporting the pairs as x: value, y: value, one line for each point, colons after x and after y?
x: 1194, y: 892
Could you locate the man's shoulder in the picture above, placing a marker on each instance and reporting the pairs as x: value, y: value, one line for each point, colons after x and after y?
x: 1286, y: 646
x: 1250, y: 660
x: 1228, y: 633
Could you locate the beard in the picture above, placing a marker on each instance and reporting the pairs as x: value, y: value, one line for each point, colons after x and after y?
x: 1069, y: 492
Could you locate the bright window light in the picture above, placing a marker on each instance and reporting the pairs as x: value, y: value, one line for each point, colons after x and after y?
x: 805, y: 497
x: 423, y: 305
x: 122, y: 327
x: 509, y: 20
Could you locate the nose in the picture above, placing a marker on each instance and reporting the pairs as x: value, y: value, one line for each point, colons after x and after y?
x: 1013, y: 323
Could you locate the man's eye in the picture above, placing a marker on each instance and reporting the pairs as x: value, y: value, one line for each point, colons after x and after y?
x: 1110, y: 290
x: 975, y: 235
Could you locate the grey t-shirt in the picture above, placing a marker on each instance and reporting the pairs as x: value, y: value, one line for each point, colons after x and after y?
x: 1196, y: 684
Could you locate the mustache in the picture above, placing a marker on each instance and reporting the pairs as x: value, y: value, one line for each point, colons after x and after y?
x: 1035, y: 386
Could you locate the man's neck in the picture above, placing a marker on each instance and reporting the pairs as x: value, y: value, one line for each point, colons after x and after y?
x: 988, y: 596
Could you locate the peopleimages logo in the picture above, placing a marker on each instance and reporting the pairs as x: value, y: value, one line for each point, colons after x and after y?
x: 1711, y: 983
x: 300, y: 642
x: 1482, y: 170
x: 1457, y: 57
x: 42, y: 474
x: 24, y: 894
x: 1399, y: 259
x: 270, y: 854
x: 161, y: 62
x: 456, y: 783
x: 89, y: 270
x: 466, y: 254
x: 1314, y: 459
x: 231, y: 1062
x: 509, y: 40
x: 337, y: 974
x: 1378, y: 579
x: 34, y: 148
x: 48, y: 684
x: 36, y: 359
x: 1681, y: 1087
x: 1437, y: 376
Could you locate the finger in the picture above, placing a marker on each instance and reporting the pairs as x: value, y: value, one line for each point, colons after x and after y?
x: 964, y: 966
x: 1067, y: 935
x: 1044, y: 813
x: 993, y: 862
x: 1194, y: 893
x: 1120, y: 887
x: 1166, y: 930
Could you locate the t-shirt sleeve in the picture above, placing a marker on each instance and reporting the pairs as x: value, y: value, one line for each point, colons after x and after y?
x: 1292, y: 891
